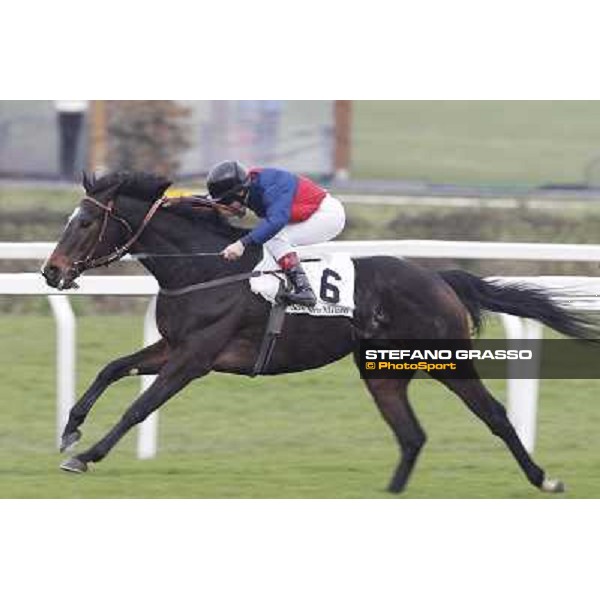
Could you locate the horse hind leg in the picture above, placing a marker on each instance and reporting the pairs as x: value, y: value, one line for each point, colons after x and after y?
x: 147, y: 361
x: 481, y: 403
x: 391, y: 398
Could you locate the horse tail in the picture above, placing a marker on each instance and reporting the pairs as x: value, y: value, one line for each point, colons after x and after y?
x: 519, y: 299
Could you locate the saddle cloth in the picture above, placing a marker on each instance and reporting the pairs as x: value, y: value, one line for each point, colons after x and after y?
x: 331, y: 277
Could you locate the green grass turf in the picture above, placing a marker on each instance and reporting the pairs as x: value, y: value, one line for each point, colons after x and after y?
x: 311, y: 435
x: 475, y: 141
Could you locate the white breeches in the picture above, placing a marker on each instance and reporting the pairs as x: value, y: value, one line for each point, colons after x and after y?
x: 323, y: 225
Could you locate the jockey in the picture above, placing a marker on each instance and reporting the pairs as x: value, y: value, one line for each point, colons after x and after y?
x: 295, y: 212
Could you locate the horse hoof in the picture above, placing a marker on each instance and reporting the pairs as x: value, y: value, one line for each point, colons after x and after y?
x: 395, y: 488
x: 70, y: 440
x: 74, y: 465
x: 553, y: 486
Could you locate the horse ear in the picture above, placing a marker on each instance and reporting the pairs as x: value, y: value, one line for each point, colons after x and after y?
x: 85, y: 181
x: 163, y: 187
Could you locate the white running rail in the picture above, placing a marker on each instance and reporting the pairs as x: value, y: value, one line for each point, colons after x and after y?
x: 581, y: 293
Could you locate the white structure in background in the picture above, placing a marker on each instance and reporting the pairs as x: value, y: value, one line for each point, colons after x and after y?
x: 581, y: 293
x: 28, y: 284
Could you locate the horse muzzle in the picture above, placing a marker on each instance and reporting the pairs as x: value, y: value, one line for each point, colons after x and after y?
x: 58, y: 278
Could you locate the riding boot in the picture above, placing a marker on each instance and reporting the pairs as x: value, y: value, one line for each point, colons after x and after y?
x: 301, y: 293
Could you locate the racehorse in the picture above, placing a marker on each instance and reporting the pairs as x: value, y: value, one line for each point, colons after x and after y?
x: 210, y: 320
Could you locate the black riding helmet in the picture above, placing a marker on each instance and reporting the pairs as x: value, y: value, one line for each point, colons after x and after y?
x: 228, y: 181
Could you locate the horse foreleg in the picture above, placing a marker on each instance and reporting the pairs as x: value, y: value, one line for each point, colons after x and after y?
x: 147, y: 361
x: 175, y: 375
x: 391, y: 398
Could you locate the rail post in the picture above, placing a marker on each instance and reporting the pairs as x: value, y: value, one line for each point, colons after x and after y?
x: 66, y: 361
x: 147, y: 442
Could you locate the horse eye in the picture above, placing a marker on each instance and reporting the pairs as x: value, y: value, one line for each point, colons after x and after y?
x: 85, y: 223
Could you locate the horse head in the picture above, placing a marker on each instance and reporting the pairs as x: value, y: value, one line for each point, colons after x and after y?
x: 97, y: 231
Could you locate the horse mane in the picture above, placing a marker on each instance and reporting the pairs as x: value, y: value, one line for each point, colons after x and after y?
x: 148, y: 187
x: 213, y: 219
x: 135, y: 184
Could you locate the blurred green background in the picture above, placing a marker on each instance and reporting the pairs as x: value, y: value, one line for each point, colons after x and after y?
x: 528, y: 142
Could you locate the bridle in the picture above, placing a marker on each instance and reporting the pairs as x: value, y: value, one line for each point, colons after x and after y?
x: 109, y: 213
x: 195, y: 201
x: 91, y: 263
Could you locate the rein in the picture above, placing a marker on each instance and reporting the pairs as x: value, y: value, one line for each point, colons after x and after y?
x: 143, y: 255
x: 163, y: 202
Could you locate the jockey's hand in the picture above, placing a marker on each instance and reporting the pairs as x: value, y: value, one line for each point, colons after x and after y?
x: 233, y: 251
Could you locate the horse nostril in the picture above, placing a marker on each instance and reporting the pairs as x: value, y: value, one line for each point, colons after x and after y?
x: 51, y: 273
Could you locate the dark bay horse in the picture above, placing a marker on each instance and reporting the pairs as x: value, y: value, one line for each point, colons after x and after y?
x: 221, y: 328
